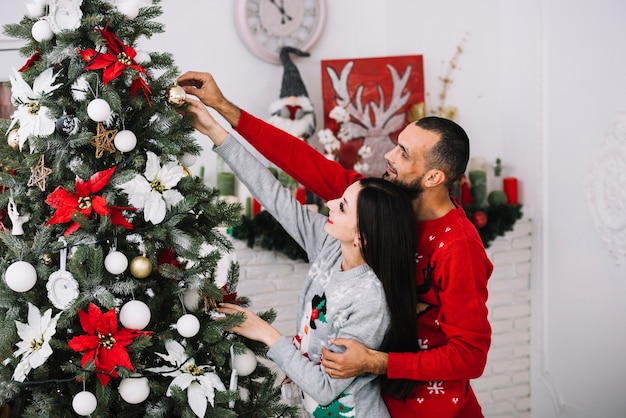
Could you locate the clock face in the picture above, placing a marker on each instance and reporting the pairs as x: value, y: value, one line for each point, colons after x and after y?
x: 265, y: 26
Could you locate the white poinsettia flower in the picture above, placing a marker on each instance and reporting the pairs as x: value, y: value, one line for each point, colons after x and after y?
x: 153, y: 191
x: 33, y: 118
x: 35, y: 345
x: 200, y: 381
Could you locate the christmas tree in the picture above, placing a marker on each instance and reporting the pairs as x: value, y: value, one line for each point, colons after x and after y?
x: 110, y: 244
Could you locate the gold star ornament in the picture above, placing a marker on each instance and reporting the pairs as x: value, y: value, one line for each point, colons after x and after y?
x: 103, y: 140
x: 39, y: 173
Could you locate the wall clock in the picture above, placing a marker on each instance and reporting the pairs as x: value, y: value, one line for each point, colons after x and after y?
x: 265, y: 26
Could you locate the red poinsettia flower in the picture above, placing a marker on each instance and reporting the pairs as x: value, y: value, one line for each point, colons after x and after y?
x: 30, y: 62
x: 113, y: 62
x: 85, y: 203
x: 104, y: 343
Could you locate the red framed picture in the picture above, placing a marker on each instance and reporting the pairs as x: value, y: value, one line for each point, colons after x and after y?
x: 375, y: 94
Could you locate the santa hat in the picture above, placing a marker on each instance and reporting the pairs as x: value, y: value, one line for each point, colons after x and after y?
x: 292, y: 84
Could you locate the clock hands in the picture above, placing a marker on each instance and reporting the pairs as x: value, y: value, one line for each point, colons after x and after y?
x: 281, y: 9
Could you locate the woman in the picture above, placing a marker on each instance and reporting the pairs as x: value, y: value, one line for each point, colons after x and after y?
x: 361, y: 282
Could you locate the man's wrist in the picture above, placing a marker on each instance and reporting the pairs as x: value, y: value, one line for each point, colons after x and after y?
x: 229, y: 111
x: 377, y: 362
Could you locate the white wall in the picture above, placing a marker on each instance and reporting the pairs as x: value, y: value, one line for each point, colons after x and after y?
x: 540, y: 82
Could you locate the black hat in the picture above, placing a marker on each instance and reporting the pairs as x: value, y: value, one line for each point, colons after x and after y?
x: 292, y: 84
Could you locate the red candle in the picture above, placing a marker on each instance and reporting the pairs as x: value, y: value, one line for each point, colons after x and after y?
x: 256, y: 207
x: 509, y: 185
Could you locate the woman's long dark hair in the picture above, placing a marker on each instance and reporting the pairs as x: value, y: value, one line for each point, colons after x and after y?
x: 386, y: 224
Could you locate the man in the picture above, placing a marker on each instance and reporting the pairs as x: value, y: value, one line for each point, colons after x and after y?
x: 452, y: 266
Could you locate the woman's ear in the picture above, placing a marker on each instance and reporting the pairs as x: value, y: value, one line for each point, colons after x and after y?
x: 356, y: 243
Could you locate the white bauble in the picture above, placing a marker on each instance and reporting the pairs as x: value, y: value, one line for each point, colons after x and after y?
x: 142, y: 57
x: 84, y: 403
x: 34, y: 10
x: 98, y: 110
x: 129, y: 8
x: 244, y: 363
x: 135, y: 315
x: 191, y: 300
x: 188, y: 160
x: 134, y: 389
x: 116, y: 262
x: 188, y: 325
x: 41, y: 31
x: 20, y: 276
x: 125, y: 141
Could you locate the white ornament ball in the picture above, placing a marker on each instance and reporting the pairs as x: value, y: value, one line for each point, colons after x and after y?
x: 130, y: 9
x: 244, y: 363
x: 41, y: 31
x: 142, y: 57
x: 134, y: 389
x: 135, y: 315
x: 191, y: 300
x: 116, y: 262
x: 188, y: 160
x: 20, y: 276
x: 188, y: 325
x: 98, y: 110
x: 125, y: 141
x: 84, y: 403
x: 34, y: 10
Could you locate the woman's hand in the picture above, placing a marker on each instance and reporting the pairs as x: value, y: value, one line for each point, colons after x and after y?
x: 203, y: 121
x: 253, y: 327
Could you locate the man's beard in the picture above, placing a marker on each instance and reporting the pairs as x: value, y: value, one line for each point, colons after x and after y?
x: 414, y: 189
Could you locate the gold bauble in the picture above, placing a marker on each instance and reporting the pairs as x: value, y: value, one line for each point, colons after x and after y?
x: 186, y: 172
x: 140, y: 267
x: 176, y: 95
x: 13, y: 139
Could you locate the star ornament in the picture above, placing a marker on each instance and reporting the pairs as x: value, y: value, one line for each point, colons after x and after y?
x: 104, y: 343
x: 85, y: 202
x: 39, y: 174
x: 103, y: 140
x: 113, y: 62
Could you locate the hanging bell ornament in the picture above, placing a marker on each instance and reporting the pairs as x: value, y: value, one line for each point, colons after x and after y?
x: 141, y: 267
x: 13, y: 139
x: 176, y: 95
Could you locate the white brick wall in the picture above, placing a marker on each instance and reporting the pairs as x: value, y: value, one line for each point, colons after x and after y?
x: 272, y: 280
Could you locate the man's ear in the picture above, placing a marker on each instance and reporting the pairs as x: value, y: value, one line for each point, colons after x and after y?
x: 434, y: 178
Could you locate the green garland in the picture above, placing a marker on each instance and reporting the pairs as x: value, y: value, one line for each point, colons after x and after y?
x: 500, y: 219
x: 265, y: 232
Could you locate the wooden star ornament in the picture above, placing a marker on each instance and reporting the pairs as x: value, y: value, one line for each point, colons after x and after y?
x: 39, y: 173
x: 103, y: 140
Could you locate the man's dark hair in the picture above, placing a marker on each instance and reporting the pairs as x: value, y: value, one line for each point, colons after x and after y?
x: 451, y: 153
